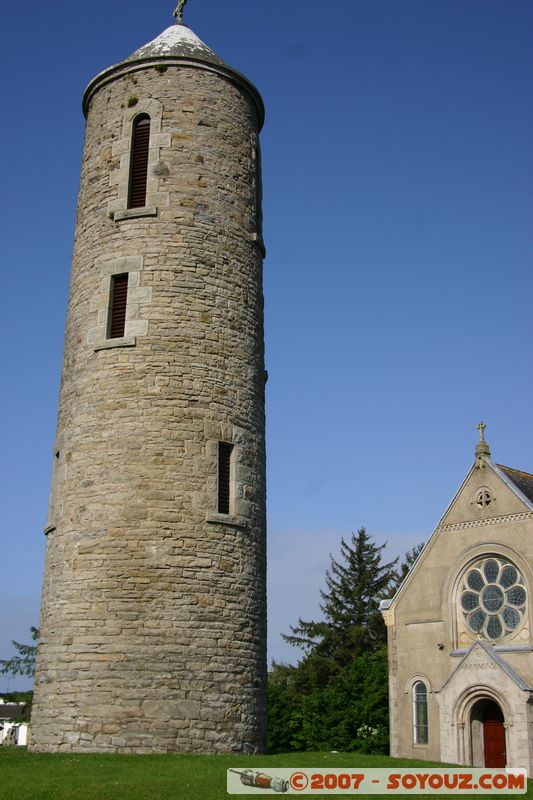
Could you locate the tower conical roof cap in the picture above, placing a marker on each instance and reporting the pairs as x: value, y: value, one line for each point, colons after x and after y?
x: 178, y: 43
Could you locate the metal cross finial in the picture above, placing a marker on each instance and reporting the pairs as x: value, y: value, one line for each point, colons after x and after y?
x: 481, y: 428
x: 178, y: 13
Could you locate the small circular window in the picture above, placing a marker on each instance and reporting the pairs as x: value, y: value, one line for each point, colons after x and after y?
x: 493, y: 598
x: 484, y: 498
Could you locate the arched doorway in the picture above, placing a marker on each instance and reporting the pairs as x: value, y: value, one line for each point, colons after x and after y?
x: 488, y: 735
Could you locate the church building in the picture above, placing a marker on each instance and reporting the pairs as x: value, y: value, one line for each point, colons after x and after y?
x: 460, y: 628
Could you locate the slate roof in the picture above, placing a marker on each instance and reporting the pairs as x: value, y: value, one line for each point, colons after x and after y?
x: 11, y: 711
x: 522, y: 480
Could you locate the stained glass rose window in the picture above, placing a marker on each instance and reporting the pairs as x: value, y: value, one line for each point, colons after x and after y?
x: 493, y: 598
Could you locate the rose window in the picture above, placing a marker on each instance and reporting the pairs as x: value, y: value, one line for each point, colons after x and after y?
x: 493, y: 598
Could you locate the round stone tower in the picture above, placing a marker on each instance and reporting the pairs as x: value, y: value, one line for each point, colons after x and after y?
x: 153, y: 620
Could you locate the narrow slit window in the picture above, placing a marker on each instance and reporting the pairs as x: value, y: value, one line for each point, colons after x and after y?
x: 119, y: 300
x: 420, y: 713
x: 258, y: 192
x: 139, y: 162
x: 224, y: 477
x: 54, y: 495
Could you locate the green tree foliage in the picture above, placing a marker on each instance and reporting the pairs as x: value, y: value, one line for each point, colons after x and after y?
x: 408, y: 561
x: 337, y: 696
x: 351, y: 713
x: 285, y: 715
x: 352, y: 623
x: 24, y: 662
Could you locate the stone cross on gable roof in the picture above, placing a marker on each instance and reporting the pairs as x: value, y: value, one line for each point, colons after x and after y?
x: 482, y: 448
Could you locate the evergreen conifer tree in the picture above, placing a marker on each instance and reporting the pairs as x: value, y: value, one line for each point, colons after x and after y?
x: 352, y: 623
x: 408, y: 561
x: 24, y: 662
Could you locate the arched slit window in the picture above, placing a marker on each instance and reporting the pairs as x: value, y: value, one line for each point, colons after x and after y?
x: 139, y: 161
x: 420, y: 713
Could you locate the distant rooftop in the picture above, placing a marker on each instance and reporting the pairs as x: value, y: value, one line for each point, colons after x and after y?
x: 11, y: 711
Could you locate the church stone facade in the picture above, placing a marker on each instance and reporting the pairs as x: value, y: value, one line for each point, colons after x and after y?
x: 460, y: 629
x: 153, y: 620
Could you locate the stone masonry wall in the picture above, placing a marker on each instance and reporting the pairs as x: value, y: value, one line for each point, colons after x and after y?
x: 154, y: 612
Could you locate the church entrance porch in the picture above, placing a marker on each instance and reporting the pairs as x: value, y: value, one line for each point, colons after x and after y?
x: 488, y: 734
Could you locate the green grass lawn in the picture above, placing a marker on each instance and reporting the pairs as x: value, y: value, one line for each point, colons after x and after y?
x: 29, y: 776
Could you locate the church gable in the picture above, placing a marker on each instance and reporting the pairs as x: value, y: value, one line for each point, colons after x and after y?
x: 487, y: 492
x: 481, y: 665
x: 489, y: 495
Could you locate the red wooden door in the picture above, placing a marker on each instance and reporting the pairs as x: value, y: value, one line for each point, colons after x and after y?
x: 494, y: 737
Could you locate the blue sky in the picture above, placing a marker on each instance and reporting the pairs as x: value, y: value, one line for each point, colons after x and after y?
x: 398, y: 175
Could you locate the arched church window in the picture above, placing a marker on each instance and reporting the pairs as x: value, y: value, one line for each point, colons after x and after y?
x: 420, y: 713
x: 139, y: 161
x: 492, y: 598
